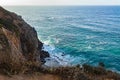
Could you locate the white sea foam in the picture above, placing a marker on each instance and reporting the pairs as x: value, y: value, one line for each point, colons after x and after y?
x: 56, y: 58
x: 90, y: 37
x: 89, y: 47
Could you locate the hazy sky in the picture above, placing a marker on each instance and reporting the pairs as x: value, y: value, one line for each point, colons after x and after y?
x: 59, y: 2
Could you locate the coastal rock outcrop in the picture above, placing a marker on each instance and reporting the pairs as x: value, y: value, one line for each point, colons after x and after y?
x: 18, y: 41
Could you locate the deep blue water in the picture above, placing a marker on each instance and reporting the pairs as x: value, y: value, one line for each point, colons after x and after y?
x: 85, y: 34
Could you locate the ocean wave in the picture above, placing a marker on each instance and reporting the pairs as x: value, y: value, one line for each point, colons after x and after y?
x: 56, y: 58
x: 50, y: 40
x: 90, y: 37
x: 90, y: 27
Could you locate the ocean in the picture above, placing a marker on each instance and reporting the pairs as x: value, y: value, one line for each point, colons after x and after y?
x: 76, y: 34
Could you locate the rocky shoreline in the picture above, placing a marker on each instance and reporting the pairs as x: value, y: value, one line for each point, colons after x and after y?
x: 21, y: 52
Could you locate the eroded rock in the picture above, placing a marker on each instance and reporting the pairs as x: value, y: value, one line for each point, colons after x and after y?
x: 19, y: 41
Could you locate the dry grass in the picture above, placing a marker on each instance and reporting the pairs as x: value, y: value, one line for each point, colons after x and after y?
x: 30, y: 77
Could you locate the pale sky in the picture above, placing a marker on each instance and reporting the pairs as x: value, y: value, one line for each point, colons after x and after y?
x: 59, y: 2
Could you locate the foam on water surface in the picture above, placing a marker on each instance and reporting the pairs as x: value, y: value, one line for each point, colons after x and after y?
x: 56, y: 58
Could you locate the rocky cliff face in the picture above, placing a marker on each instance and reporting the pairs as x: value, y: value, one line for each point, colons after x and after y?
x: 18, y: 41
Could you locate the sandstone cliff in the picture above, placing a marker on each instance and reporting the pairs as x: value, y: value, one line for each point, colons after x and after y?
x: 18, y: 41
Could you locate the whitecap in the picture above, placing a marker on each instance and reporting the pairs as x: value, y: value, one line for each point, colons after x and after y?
x: 90, y: 37
x: 56, y: 58
x: 89, y: 47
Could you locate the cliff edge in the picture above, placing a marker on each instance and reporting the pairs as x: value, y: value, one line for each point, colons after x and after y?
x: 19, y: 43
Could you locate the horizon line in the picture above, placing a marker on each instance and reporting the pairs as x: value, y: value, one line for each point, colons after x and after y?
x: 63, y: 5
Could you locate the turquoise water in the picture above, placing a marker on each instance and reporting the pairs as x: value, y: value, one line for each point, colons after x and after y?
x: 81, y: 34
